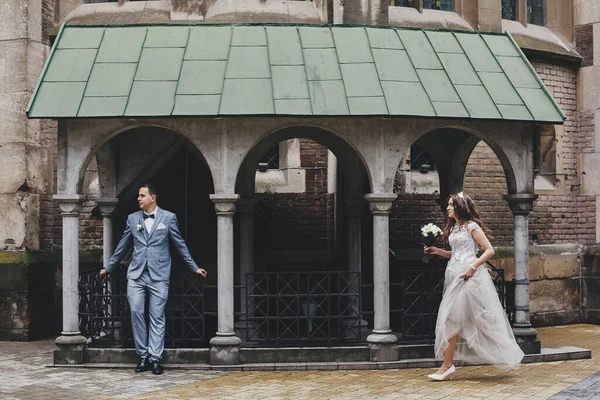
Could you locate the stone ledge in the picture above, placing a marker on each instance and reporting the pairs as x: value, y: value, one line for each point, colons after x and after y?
x: 547, y: 355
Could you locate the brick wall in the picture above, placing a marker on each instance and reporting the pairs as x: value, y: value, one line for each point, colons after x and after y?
x: 584, y: 40
x: 300, y: 221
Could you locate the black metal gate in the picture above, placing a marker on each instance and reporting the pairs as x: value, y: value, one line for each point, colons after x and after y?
x: 104, y: 316
x: 303, y: 307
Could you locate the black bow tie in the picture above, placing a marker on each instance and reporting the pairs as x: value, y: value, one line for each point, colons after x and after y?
x: 148, y: 216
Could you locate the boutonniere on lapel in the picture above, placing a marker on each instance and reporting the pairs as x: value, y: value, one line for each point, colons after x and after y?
x: 139, y: 227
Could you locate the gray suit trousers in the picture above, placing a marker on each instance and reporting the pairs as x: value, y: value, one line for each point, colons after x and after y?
x: 148, y: 344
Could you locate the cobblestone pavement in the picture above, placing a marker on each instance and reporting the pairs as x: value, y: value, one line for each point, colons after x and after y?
x: 24, y: 375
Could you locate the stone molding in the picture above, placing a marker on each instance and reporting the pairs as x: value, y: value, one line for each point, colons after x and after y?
x: 107, y: 205
x: 521, y: 204
x: 225, y: 203
x: 381, y: 203
x: 69, y: 204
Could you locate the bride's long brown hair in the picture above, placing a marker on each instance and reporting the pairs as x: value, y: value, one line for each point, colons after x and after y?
x: 465, y: 211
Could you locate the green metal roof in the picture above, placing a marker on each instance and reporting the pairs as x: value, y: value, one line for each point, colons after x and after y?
x: 215, y: 70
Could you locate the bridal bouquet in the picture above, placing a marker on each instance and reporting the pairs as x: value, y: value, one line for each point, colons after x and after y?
x: 431, y: 234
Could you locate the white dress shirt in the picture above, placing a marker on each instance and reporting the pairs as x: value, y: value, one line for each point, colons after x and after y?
x: 149, y: 221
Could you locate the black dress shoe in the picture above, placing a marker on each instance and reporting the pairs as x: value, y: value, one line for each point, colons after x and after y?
x: 143, y: 365
x: 157, y: 368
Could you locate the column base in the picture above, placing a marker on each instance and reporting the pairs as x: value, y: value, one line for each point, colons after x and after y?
x: 69, y: 349
x: 382, y: 347
x: 527, y: 339
x: 225, y: 350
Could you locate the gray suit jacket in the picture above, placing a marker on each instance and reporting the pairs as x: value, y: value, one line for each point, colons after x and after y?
x: 151, y: 248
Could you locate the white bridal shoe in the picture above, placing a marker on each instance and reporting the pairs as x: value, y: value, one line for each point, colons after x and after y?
x: 441, y: 377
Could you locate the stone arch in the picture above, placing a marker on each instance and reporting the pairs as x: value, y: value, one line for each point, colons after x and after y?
x: 108, y: 176
x: 346, y: 153
x: 451, y: 146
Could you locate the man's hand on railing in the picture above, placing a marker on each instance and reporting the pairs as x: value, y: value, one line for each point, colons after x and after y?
x: 104, y: 273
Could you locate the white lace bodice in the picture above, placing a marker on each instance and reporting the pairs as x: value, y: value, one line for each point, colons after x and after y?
x: 464, y: 247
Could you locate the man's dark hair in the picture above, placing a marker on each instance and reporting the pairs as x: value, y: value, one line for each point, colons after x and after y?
x: 151, y: 189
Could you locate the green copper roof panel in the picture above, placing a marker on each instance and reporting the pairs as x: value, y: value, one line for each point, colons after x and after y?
x: 328, y: 98
x: 89, y: 38
x: 442, y: 42
x: 59, y: 99
x: 167, y: 36
x: 478, y: 53
x: 477, y: 101
x: 500, y: 88
x: 367, y: 105
x: 201, y: 77
x: 361, y: 80
x: 293, y: 107
x: 394, y: 65
x: 459, y: 69
x: 151, y: 98
x: 407, y: 97
x: 352, y: 45
x: 208, y: 43
x: 438, y: 85
x: 248, y: 62
x: 111, y: 79
x: 121, y: 45
x: 212, y: 70
x: 249, y: 36
x: 159, y: 64
x: 284, y: 46
x: 289, y: 82
x: 101, y: 106
x: 384, y: 39
x: 420, y: 50
x: 247, y: 96
x: 72, y: 65
x: 196, y: 104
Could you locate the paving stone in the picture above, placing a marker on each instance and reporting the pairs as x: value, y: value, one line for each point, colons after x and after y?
x: 24, y: 375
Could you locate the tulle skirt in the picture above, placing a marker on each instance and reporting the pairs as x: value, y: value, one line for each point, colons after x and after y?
x: 472, y: 310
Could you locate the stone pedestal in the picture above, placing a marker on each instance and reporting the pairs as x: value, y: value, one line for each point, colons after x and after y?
x: 382, y: 343
x: 71, y: 343
x: 521, y: 205
x: 225, y: 346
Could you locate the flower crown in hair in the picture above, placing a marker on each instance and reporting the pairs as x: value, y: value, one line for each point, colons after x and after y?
x: 461, y: 195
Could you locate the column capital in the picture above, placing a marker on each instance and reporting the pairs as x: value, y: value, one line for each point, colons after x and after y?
x: 69, y: 204
x: 381, y: 203
x: 225, y: 203
x: 107, y: 205
x: 354, y: 206
x: 245, y: 205
x: 521, y: 204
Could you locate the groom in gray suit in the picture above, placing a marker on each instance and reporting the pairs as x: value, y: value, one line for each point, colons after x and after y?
x: 149, y: 230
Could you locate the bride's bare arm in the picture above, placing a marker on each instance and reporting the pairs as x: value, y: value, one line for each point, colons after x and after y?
x: 488, y: 252
x: 438, y: 251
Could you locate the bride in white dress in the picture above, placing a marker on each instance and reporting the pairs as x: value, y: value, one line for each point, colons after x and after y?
x: 471, y: 322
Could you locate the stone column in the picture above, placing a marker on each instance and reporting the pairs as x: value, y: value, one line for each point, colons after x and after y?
x: 107, y: 208
x: 70, y: 344
x: 521, y: 205
x: 382, y: 343
x: 245, y: 209
x: 354, y: 212
x: 225, y: 347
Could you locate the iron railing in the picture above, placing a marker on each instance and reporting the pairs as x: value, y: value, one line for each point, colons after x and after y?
x: 281, y: 308
x: 303, y: 307
x: 104, y: 315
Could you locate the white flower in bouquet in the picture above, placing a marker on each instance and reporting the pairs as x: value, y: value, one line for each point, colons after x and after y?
x: 431, y: 231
